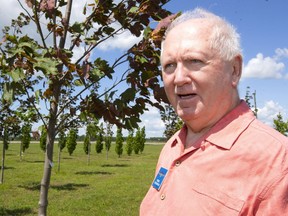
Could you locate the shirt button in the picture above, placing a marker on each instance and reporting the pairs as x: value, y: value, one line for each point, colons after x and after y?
x: 203, y: 145
x: 177, y: 163
x: 162, y: 197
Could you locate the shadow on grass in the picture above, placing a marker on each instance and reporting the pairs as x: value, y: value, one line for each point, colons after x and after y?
x: 36, y: 161
x: 69, y: 186
x: 115, y: 165
x: 35, y: 186
x: 67, y: 158
x: 32, y: 186
x: 16, y: 212
x: 6, y: 168
x: 93, y: 173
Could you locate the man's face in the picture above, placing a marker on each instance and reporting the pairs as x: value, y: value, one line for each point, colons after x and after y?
x: 199, y: 84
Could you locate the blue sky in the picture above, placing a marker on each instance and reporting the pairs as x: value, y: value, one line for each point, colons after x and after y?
x: 263, y: 26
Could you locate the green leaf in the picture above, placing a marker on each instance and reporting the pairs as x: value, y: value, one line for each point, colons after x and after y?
x: 46, y: 65
x: 96, y: 74
x: 133, y: 9
x: 12, y: 38
x: 37, y: 95
x: 147, y: 32
x: 76, y: 27
x: 128, y: 94
x: 8, y: 92
x: 78, y: 82
x: 17, y: 74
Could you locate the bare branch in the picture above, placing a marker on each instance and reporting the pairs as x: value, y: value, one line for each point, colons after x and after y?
x: 66, y: 24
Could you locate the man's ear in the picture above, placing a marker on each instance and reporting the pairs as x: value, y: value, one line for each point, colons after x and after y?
x: 237, y: 70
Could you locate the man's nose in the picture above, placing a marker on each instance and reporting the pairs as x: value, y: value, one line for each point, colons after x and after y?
x: 181, y: 75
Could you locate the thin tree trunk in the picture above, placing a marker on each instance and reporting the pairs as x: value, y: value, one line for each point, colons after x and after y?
x: 21, y: 153
x: 89, y: 149
x: 59, y: 157
x: 2, y: 164
x: 48, y: 164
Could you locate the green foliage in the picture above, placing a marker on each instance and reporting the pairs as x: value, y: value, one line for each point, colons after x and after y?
x: 136, y: 146
x: 171, y: 120
x: 9, y: 119
x: 248, y: 97
x: 142, y: 139
x: 119, y: 142
x: 6, y: 139
x: 280, y: 125
x: 99, y: 143
x: 62, y: 140
x: 108, y: 137
x: 139, y: 141
x: 43, y: 140
x: 25, y: 137
x: 71, y: 141
x: 129, y: 143
x: 87, y: 143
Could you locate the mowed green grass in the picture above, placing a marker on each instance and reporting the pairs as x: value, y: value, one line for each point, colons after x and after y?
x: 113, y: 186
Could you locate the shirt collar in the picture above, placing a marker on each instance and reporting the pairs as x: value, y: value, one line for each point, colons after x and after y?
x: 226, y: 131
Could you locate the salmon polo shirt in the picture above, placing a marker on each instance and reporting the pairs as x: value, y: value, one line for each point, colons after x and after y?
x: 240, y: 167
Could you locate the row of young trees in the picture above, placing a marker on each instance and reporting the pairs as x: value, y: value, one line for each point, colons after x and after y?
x: 93, y: 132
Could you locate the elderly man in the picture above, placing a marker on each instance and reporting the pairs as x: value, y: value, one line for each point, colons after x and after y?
x: 223, y: 161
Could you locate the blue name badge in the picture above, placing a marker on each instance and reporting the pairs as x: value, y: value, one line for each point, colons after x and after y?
x: 157, y: 183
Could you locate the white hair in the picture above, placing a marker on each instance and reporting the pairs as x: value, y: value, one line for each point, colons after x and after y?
x: 224, y: 37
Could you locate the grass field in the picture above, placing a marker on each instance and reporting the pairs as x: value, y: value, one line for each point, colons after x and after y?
x: 113, y: 186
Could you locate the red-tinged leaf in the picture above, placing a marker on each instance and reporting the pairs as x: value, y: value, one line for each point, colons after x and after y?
x: 162, y: 25
x: 160, y: 95
x: 29, y: 3
x: 50, y: 4
x: 48, y: 93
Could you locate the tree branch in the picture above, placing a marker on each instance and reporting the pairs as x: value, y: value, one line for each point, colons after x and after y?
x: 33, y: 104
x: 66, y: 21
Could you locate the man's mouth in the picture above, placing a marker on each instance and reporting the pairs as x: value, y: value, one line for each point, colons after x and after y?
x: 187, y: 96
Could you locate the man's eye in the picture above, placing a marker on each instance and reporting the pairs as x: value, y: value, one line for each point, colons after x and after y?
x: 170, y: 68
x: 195, y: 61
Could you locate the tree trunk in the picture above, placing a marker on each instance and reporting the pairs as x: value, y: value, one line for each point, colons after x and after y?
x: 89, y: 149
x: 2, y: 164
x: 21, y: 153
x: 48, y: 164
x: 59, y: 157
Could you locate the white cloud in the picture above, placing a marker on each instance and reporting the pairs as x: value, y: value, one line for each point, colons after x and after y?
x: 151, y: 119
x: 281, y: 53
x: 264, y: 67
x: 270, y: 111
x: 9, y: 10
x: 121, y: 41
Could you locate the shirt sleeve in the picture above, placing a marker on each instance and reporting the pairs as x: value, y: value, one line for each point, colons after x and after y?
x: 275, y: 200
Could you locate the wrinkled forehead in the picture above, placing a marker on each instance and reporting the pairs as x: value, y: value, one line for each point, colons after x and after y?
x: 200, y: 24
x: 196, y: 30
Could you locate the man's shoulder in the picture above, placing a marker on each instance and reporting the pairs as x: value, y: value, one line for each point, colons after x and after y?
x: 265, y: 132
